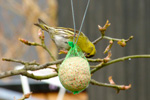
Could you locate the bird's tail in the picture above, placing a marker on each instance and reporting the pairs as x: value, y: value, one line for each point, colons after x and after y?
x: 41, y: 24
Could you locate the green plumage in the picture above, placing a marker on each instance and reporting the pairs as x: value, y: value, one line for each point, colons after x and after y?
x: 61, y: 36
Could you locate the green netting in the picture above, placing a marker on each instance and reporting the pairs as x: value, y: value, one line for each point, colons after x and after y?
x: 74, y: 72
x: 74, y: 51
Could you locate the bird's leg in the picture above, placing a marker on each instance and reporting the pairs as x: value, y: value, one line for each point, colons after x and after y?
x: 63, y: 51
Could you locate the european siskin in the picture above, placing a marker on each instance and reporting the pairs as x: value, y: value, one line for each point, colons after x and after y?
x: 61, y: 36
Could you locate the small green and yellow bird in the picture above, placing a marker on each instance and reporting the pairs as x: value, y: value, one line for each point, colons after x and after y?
x: 61, y: 36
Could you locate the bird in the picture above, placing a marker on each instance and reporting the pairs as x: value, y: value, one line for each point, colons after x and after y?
x: 61, y: 36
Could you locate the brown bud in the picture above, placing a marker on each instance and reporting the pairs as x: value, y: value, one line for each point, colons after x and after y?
x: 107, y: 48
x: 27, y: 95
x: 27, y: 42
x: 99, y: 27
x: 41, y: 34
x: 24, y: 41
x: 122, y: 43
x: 128, y: 87
x: 106, y: 60
x: 107, y: 24
x: 111, y: 80
x: 131, y: 37
x: 102, y: 29
x: 111, y: 41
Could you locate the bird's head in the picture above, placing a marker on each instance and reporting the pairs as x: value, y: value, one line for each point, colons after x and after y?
x: 90, y: 50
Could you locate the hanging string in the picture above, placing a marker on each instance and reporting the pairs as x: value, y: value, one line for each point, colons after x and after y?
x: 74, y: 24
x: 83, y: 19
x: 81, y: 22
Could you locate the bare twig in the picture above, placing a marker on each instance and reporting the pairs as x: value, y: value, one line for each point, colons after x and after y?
x: 115, y: 39
x: 44, y: 65
x: 118, y: 87
x: 25, y: 73
x: 25, y: 96
x: 97, y: 40
x: 95, y: 60
x: 30, y: 75
x: 110, y: 38
x: 44, y: 47
x: 55, y: 62
x: 102, y: 30
x: 42, y: 37
x: 109, y: 46
x: 30, y: 67
x: 121, y: 42
x: 37, y: 44
x: 97, y: 67
x: 118, y: 60
x: 19, y: 61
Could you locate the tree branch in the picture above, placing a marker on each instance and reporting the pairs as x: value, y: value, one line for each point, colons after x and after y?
x: 41, y: 36
x: 11, y: 73
x: 24, y: 70
x: 118, y: 87
x: 118, y: 60
x: 25, y: 73
x: 94, y: 60
x: 25, y: 96
x: 97, y: 40
x: 31, y: 75
x: 110, y: 38
x: 19, y: 61
x: 33, y: 67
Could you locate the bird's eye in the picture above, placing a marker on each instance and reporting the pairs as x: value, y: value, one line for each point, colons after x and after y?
x: 88, y: 53
x: 66, y: 42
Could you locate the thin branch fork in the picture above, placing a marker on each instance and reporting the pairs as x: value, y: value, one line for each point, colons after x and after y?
x: 112, y: 85
x: 24, y: 70
x: 25, y: 96
x: 118, y: 60
x: 121, y: 42
x: 35, y: 67
x: 32, y: 66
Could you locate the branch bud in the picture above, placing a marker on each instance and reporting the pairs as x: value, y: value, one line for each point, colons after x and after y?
x: 130, y: 38
x: 106, y: 59
x: 111, y: 80
x: 122, y: 43
x: 109, y: 46
x: 27, y: 95
x: 107, y: 24
x: 27, y: 42
x: 41, y: 34
x: 103, y: 29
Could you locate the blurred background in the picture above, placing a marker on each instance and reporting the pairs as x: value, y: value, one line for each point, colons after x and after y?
x: 127, y: 17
